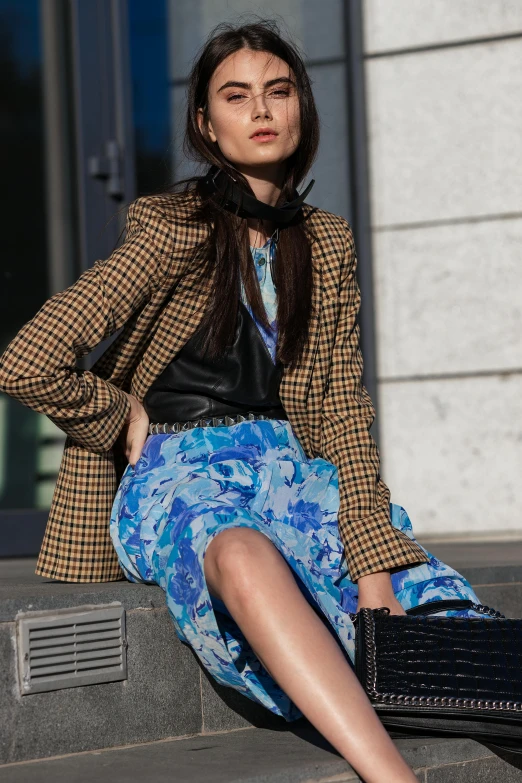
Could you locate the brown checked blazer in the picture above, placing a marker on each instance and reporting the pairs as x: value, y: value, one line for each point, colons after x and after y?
x: 150, y: 287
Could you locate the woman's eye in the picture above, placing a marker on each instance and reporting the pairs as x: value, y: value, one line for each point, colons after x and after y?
x: 284, y: 93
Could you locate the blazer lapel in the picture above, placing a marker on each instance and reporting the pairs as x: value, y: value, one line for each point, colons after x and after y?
x: 179, y: 320
x: 296, y: 383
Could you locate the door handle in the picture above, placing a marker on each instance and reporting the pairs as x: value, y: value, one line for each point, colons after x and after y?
x: 108, y: 167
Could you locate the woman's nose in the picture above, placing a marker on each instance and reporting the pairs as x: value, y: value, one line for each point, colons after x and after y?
x: 260, y: 106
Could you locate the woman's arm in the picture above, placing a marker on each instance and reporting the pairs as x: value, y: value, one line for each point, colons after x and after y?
x: 38, y: 366
x: 371, y: 542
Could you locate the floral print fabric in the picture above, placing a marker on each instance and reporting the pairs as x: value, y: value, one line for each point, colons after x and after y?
x: 262, y: 257
x: 188, y: 487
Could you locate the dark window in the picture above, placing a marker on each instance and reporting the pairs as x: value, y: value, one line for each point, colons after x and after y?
x: 148, y: 26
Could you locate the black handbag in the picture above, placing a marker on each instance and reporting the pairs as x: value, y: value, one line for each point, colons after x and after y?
x: 443, y: 676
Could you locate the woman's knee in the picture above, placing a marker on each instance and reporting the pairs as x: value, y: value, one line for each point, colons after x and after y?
x: 233, y: 550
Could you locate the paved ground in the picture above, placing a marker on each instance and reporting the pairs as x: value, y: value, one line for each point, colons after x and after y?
x: 19, y: 571
x: 295, y: 755
x: 462, y: 554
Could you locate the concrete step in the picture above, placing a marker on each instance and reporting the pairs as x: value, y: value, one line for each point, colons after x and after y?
x: 167, y: 693
x: 298, y: 755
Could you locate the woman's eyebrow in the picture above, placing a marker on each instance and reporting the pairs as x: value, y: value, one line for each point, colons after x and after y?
x: 248, y: 85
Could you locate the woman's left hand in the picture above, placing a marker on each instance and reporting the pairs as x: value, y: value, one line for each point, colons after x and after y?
x: 375, y: 590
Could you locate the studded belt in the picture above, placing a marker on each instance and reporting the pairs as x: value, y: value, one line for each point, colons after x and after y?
x: 164, y: 428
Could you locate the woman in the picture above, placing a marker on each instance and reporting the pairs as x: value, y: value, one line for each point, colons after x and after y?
x: 259, y: 507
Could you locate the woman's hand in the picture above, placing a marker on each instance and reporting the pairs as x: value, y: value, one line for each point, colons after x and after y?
x: 375, y: 590
x: 135, y: 430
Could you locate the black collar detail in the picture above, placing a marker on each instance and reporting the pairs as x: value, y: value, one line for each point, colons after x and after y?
x: 243, y: 204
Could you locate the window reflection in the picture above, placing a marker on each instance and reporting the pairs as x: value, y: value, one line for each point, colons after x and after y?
x: 148, y: 25
x: 30, y: 444
x: 22, y: 217
x: 23, y: 266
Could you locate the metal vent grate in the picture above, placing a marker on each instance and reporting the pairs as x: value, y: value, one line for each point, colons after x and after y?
x: 67, y: 648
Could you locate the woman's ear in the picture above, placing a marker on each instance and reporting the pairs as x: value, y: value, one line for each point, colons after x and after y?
x: 205, y: 132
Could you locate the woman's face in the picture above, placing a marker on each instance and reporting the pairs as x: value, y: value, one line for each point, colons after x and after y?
x: 249, y: 91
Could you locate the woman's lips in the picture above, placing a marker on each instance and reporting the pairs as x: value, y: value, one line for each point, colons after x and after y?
x: 264, y: 137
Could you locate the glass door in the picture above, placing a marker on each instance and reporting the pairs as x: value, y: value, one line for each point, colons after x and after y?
x: 86, y: 130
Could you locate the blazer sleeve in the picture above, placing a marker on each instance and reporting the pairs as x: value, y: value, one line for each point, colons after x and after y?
x: 371, y: 542
x: 38, y: 366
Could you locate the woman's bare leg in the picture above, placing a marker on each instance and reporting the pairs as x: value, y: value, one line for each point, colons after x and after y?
x: 246, y: 571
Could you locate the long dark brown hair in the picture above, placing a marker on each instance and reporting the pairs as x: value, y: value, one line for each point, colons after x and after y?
x: 227, y: 256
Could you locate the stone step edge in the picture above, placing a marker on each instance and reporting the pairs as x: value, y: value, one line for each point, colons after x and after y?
x: 315, y: 764
x: 15, y: 598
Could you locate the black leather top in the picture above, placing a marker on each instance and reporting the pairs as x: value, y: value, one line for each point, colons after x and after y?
x: 193, y: 386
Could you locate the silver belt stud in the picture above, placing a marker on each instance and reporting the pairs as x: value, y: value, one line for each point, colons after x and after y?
x: 166, y: 428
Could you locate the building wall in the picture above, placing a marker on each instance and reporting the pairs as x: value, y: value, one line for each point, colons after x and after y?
x: 444, y: 92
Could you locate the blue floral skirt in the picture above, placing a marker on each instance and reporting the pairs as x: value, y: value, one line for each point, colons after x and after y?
x: 187, y: 487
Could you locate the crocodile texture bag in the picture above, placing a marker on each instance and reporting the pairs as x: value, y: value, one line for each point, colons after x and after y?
x: 450, y: 676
